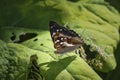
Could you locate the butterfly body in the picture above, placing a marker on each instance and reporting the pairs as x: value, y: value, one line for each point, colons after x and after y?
x: 64, y: 40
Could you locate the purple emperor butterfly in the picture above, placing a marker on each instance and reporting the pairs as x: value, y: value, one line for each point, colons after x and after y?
x: 64, y: 40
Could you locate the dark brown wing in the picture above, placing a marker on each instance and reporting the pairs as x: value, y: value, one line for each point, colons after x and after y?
x: 64, y: 39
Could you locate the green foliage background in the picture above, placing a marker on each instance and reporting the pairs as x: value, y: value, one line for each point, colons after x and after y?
x: 97, y: 21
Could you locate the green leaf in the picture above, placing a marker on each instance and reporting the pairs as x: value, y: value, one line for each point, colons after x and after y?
x: 66, y: 67
x: 96, y: 21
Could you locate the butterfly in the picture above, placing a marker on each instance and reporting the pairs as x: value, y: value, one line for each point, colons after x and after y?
x: 64, y: 40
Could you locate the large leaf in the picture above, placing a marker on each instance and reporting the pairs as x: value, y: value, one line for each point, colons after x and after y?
x: 18, y: 58
x: 96, y: 21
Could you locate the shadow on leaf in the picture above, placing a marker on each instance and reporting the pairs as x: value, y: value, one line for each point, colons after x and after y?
x: 56, y: 67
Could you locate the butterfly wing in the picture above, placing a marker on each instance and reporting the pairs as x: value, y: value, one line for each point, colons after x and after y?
x: 64, y: 40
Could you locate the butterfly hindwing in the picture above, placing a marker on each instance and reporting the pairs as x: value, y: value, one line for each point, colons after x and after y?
x: 64, y: 40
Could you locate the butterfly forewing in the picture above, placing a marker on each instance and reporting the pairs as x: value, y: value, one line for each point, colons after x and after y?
x: 64, y: 40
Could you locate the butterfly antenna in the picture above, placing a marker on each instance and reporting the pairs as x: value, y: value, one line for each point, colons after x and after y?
x: 65, y: 24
